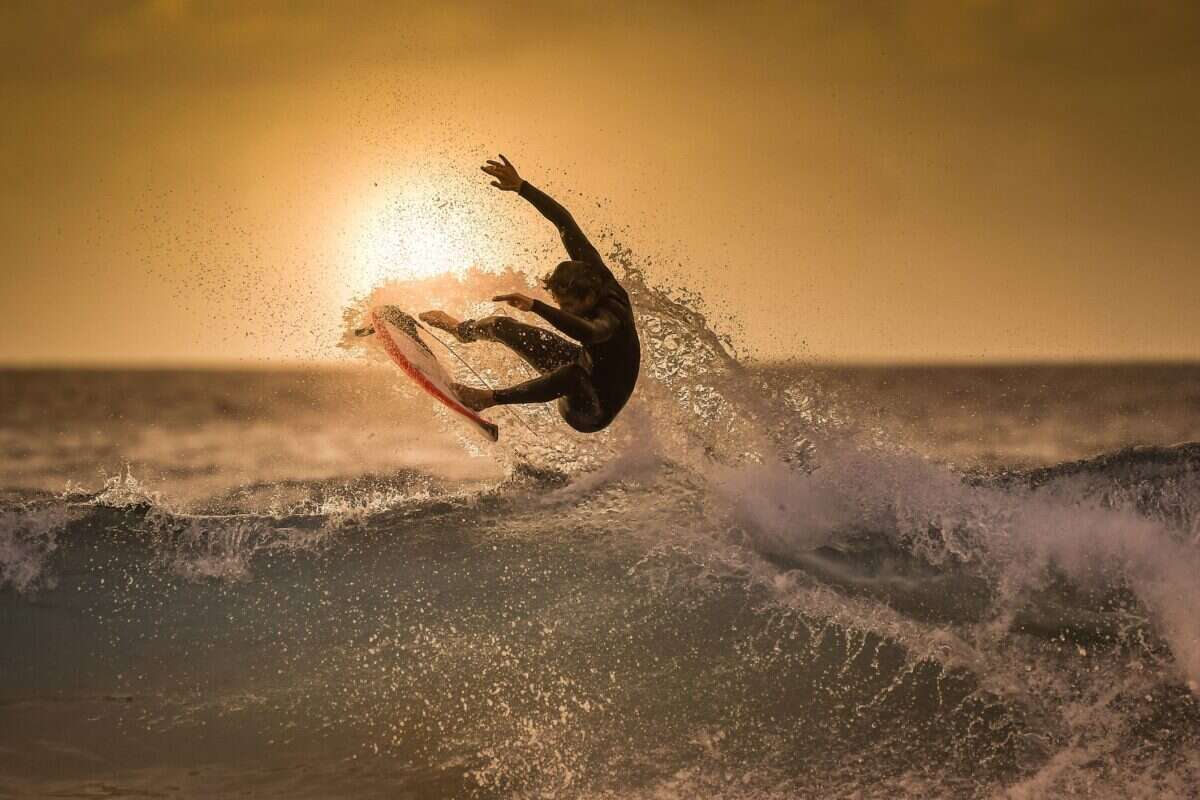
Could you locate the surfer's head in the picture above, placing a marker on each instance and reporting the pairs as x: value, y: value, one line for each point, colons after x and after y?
x: 575, y: 286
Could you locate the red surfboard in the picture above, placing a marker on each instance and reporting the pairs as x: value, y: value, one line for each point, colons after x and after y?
x: 402, y: 341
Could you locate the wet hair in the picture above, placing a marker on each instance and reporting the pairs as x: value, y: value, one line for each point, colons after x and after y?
x: 572, y: 279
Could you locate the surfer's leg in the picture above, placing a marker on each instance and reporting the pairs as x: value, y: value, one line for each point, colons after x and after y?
x: 571, y: 385
x: 570, y: 381
x: 543, y: 350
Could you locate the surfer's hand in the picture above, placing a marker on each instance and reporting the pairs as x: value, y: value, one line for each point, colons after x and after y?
x: 507, y: 179
x: 518, y: 301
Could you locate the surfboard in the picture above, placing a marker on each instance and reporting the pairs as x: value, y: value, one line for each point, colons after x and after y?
x: 400, y: 336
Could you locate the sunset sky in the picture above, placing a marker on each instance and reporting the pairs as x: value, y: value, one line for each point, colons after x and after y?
x: 186, y: 182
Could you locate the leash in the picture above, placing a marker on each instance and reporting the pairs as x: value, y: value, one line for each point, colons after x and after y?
x: 519, y: 418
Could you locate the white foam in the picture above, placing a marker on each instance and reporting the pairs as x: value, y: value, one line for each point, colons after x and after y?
x: 28, y: 540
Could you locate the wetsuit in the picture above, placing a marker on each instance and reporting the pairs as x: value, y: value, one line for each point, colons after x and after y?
x: 592, y: 382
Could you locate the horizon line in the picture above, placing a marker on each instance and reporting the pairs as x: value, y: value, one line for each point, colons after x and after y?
x: 265, y: 365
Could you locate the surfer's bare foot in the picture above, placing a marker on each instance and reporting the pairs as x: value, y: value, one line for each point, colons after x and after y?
x: 474, y: 399
x: 443, y: 321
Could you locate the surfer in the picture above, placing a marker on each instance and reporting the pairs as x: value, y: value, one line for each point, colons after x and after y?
x: 591, y: 380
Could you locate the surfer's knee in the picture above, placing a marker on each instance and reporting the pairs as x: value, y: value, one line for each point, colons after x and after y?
x: 495, y: 327
x: 576, y: 374
x: 583, y: 414
x: 580, y: 407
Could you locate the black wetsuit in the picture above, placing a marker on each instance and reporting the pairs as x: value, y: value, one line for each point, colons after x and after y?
x: 592, y: 382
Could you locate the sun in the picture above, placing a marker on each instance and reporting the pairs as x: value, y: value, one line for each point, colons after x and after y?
x: 413, y: 236
x: 418, y: 231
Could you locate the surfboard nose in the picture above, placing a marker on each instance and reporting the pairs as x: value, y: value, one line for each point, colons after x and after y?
x: 398, y: 334
x: 399, y: 318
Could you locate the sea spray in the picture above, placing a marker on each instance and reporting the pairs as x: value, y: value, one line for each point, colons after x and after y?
x: 695, y: 601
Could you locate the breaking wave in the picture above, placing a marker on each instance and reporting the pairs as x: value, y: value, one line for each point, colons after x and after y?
x: 735, y: 591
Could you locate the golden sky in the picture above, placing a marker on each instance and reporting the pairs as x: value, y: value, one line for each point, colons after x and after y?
x: 213, y: 181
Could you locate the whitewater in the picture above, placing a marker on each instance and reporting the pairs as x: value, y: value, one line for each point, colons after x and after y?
x: 764, y: 581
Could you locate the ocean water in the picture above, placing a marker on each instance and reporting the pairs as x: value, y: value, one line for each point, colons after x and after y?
x: 763, y: 582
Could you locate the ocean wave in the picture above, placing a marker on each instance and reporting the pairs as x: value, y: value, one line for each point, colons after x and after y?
x: 696, y: 601
x: 829, y: 599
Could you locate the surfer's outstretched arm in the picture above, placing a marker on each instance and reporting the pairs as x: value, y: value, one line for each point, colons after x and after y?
x: 576, y: 243
x: 588, y: 331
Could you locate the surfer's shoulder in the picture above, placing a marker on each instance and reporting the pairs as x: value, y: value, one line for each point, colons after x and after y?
x: 616, y: 294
